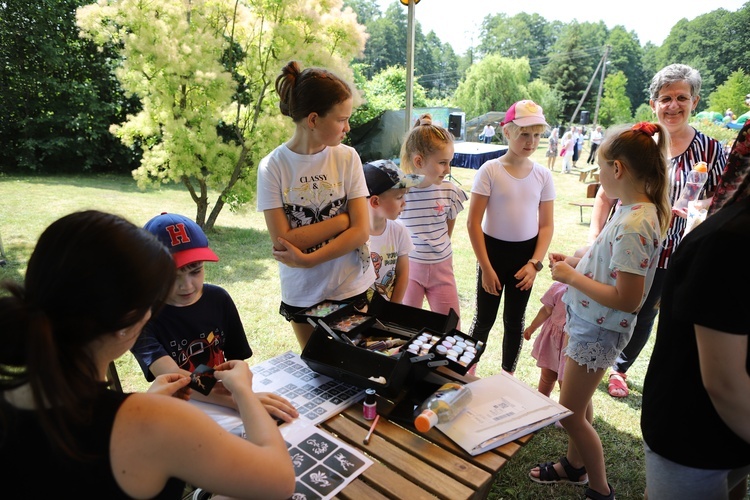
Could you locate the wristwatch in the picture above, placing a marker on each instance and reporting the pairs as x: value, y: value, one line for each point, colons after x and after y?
x: 537, y: 264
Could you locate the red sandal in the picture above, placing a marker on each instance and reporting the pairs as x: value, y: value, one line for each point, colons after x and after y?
x: 618, y: 388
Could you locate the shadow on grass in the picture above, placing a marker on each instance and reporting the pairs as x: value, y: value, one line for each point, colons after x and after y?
x: 123, y: 183
x: 244, y: 255
x: 625, y: 472
x: 16, y: 257
x: 634, y: 400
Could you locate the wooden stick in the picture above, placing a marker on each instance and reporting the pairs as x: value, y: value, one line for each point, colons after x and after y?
x: 372, y: 428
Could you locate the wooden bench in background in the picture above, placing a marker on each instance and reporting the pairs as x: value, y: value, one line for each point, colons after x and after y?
x: 584, y: 173
x: 591, y: 190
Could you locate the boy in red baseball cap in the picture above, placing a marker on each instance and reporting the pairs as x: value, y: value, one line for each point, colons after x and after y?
x: 199, y: 324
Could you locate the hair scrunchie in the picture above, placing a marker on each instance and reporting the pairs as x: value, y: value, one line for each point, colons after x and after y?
x: 425, y: 121
x: 647, y: 128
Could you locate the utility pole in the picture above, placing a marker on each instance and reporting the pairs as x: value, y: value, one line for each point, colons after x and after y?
x: 410, y: 30
x: 601, y: 84
x: 586, y: 92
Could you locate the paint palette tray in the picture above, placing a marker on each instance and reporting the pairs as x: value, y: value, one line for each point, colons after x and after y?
x: 322, y: 310
x: 459, y: 350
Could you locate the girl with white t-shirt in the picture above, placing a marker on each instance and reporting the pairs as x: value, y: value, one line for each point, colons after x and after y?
x: 313, y: 194
x: 510, y: 226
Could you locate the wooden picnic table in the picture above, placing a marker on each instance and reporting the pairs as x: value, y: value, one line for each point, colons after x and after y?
x: 411, y: 465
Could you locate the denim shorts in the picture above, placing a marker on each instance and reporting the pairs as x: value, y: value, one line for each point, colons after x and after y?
x: 288, y: 312
x: 592, y: 345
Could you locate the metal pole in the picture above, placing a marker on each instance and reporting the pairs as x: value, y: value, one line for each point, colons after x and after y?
x: 586, y: 92
x: 409, y: 66
x: 601, y: 84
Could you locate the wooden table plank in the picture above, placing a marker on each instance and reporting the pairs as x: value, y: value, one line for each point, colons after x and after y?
x: 403, y: 460
x: 407, y: 464
x: 453, y: 460
x: 358, y: 489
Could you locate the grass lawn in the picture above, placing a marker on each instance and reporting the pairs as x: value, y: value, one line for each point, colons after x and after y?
x: 249, y: 273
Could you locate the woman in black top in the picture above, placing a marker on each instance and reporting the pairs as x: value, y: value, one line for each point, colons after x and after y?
x: 90, y: 285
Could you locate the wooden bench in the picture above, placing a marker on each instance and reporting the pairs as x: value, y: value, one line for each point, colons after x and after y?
x: 585, y: 172
x: 591, y: 190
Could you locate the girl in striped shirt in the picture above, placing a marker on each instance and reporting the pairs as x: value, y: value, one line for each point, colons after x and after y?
x: 430, y: 215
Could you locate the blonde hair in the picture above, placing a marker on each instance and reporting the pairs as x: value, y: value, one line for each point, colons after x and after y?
x: 646, y: 159
x: 512, y: 131
x: 423, y: 139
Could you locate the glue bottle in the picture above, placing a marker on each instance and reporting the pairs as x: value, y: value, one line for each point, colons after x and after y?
x: 695, y: 180
x: 443, y: 406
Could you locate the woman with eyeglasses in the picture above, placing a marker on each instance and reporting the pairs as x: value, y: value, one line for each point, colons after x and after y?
x: 674, y: 96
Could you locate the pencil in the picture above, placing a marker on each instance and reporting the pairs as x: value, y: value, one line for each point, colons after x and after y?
x: 372, y: 428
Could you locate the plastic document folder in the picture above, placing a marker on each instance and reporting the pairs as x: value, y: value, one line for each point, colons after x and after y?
x: 502, y: 409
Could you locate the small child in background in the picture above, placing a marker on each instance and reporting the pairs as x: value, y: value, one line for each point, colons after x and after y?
x: 390, y: 242
x: 566, y: 143
x: 551, y: 154
x: 430, y: 215
x: 549, y: 346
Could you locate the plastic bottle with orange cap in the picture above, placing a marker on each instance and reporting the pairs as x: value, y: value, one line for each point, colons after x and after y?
x: 443, y: 406
x: 695, y: 180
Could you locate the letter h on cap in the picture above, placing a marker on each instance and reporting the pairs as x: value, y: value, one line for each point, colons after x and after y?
x: 177, y: 234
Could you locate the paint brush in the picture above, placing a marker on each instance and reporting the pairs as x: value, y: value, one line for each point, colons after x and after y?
x: 372, y: 428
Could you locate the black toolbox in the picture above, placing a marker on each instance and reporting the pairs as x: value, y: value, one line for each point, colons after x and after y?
x: 345, y: 356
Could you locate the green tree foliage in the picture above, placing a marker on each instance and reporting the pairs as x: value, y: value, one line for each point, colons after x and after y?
x: 441, y: 75
x: 57, y: 94
x: 366, y: 10
x: 204, y: 73
x: 626, y: 55
x: 651, y: 64
x: 548, y: 99
x: 386, y: 44
x: 493, y: 84
x: 716, y: 131
x: 731, y: 94
x: 436, y: 66
x: 571, y: 66
x: 715, y: 43
x: 523, y: 35
x: 387, y: 90
x: 644, y: 113
x: 615, y: 106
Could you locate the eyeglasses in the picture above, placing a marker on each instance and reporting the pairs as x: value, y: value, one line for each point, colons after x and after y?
x: 666, y: 100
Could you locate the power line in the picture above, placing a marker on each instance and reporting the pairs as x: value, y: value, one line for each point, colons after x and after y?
x: 542, y: 60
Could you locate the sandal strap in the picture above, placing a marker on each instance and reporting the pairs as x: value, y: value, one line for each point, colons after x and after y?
x: 547, y: 472
x: 570, y: 471
x: 595, y: 495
